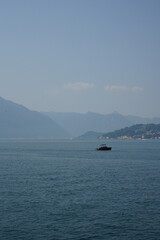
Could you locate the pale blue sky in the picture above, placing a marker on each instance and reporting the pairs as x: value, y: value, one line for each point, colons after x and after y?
x: 81, y: 55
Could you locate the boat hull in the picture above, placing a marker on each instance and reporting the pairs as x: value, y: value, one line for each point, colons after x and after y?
x: 103, y: 148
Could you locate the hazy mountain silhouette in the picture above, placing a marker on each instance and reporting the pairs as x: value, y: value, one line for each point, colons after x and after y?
x: 18, y: 121
x: 140, y: 120
x: 78, y: 124
x: 91, y: 135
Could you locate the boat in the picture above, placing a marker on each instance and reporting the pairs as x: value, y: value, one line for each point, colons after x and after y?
x: 103, y: 147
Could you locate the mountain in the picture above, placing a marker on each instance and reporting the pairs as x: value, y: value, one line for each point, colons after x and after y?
x: 77, y: 124
x: 89, y: 136
x: 140, y: 120
x: 16, y: 121
x: 138, y: 131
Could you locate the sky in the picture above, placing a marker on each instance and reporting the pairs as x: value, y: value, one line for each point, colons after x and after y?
x: 81, y: 55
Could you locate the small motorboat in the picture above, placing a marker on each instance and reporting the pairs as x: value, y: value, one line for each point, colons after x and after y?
x: 103, y: 147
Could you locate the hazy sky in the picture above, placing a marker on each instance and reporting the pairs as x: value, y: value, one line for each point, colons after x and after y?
x: 81, y: 55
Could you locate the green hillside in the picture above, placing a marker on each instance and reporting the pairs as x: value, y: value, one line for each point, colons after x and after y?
x: 139, y: 131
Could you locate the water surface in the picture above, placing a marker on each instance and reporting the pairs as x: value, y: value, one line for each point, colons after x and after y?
x: 64, y: 190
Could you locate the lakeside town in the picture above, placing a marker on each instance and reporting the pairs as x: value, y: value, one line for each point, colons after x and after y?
x: 139, y: 131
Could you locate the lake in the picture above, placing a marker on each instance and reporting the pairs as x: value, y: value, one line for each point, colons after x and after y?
x: 66, y: 190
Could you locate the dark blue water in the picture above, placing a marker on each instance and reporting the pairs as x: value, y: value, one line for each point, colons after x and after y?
x: 65, y: 190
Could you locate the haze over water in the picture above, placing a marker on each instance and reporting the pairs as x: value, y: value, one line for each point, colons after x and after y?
x: 64, y: 190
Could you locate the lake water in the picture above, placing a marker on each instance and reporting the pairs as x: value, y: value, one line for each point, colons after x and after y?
x: 66, y: 190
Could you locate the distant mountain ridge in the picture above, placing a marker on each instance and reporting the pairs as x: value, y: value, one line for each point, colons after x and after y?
x: 78, y: 124
x: 16, y: 121
x: 91, y: 135
x: 142, y: 120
